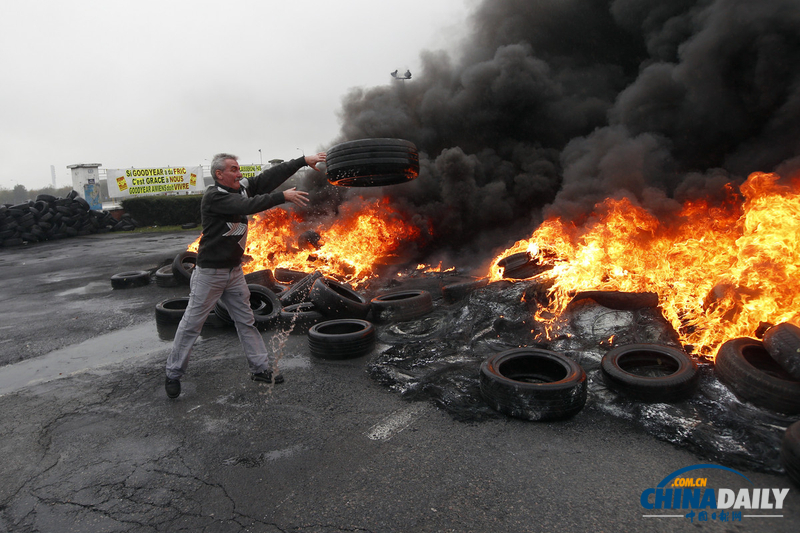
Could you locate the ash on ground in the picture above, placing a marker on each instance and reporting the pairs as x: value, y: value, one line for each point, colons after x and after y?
x: 437, y: 358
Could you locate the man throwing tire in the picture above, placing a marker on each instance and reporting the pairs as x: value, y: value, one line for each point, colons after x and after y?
x: 218, y: 274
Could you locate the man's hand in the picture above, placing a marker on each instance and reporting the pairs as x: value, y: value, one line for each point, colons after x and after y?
x: 296, y: 197
x: 312, y: 160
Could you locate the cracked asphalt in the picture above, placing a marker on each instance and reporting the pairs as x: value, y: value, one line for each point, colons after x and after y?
x: 89, y: 441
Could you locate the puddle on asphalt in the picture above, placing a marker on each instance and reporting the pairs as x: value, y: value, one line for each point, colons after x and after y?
x: 93, y: 287
x: 115, y: 347
x: 125, y: 345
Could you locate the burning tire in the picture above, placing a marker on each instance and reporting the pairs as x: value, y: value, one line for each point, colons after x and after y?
x: 125, y: 280
x: 264, y: 303
x: 783, y: 344
x: 790, y: 452
x: 400, y: 306
x: 299, y: 317
x: 747, y: 369
x: 650, y: 372
x: 334, y: 299
x: 345, y: 338
x: 171, y: 310
x: 533, y: 384
x: 182, y: 266
x: 372, y: 163
x: 518, y: 266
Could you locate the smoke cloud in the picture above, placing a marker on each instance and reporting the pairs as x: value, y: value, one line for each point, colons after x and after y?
x: 554, y: 105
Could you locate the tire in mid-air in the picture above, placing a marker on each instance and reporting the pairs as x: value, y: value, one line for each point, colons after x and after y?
x: 372, y: 162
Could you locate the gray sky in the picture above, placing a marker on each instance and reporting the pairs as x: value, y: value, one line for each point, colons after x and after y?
x: 171, y: 82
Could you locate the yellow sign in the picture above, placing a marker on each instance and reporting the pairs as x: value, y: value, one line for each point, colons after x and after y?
x: 146, y: 181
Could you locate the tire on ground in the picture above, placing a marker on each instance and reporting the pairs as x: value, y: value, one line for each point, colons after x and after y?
x: 298, y: 291
x: 650, y: 372
x: 783, y: 344
x: 126, y: 280
x: 165, y: 277
x: 790, y: 452
x: 533, y: 384
x: 457, y: 291
x: 297, y: 318
x: 345, y: 338
x: 264, y: 303
x: 747, y: 369
x: 337, y: 300
x: 170, y: 311
x: 261, y: 277
x: 399, y: 306
x: 183, y: 265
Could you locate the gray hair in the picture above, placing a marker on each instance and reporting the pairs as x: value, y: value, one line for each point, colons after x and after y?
x: 218, y: 163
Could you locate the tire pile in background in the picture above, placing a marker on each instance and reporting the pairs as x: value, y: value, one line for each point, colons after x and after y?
x: 50, y: 218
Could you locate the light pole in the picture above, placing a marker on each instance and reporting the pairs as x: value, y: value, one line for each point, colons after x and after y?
x: 260, y: 161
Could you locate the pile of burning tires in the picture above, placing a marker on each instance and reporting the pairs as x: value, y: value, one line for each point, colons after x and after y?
x: 50, y: 218
x: 530, y: 383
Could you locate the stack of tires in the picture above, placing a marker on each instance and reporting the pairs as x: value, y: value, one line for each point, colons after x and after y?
x: 50, y: 218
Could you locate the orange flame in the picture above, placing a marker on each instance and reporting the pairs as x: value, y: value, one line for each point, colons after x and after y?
x: 351, y: 247
x: 719, y: 272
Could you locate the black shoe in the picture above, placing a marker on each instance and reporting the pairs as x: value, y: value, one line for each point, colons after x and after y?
x: 173, y: 387
x: 267, y: 377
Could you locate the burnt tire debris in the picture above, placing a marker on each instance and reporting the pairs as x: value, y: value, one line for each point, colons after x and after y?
x: 745, y: 366
x: 533, y: 384
x: 650, y: 372
x: 783, y: 344
x: 51, y: 218
x: 372, y: 162
x: 400, y: 306
x: 344, y: 338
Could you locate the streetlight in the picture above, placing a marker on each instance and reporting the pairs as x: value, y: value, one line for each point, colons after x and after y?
x: 260, y: 161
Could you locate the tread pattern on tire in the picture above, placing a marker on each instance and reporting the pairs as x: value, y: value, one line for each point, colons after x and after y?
x: 372, y: 162
x: 345, y: 338
x: 134, y: 278
x: 399, y: 306
x: 680, y: 381
x: 171, y: 310
x: 338, y: 300
x: 747, y: 369
x: 533, y: 384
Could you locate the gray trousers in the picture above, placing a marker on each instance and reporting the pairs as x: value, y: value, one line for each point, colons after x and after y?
x: 208, y: 285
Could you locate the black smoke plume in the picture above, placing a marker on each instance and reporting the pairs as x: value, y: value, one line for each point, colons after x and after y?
x: 554, y: 105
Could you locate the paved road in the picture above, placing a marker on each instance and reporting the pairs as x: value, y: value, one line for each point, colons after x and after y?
x: 90, y: 442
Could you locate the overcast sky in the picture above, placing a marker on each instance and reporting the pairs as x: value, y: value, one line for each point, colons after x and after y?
x: 169, y: 83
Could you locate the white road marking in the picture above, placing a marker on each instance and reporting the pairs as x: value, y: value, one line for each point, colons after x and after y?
x: 395, y: 422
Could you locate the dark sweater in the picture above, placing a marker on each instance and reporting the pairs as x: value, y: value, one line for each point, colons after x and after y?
x: 224, y: 214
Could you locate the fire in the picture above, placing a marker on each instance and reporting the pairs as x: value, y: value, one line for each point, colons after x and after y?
x: 350, y: 247
x: 719, y: 271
